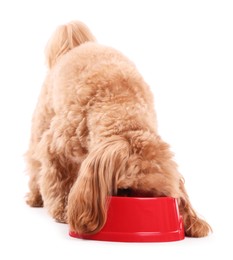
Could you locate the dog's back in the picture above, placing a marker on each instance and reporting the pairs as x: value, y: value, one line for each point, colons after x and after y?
x: 105, y: 84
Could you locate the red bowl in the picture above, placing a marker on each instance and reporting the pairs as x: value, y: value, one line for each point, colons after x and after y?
x: 136, y: 219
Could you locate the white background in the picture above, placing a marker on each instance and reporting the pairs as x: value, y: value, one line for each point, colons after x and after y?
x: 184, y: 49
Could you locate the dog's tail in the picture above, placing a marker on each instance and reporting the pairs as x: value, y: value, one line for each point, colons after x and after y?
x: 65, y: 38
x: 98, y: 179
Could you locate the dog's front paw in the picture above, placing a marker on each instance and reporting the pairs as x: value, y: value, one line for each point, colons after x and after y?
x: 198, y: 228
x: 60, y: 215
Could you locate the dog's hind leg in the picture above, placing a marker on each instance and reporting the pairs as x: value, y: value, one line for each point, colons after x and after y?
x: 42, y: 117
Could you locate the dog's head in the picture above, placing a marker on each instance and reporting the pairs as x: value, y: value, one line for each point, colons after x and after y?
x: 114, y: 166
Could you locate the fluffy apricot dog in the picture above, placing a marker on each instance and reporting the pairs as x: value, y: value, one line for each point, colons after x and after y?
x: 94, y: 134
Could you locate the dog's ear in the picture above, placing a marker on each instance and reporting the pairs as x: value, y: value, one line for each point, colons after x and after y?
x: 65, y: 38
x: 97, y: 180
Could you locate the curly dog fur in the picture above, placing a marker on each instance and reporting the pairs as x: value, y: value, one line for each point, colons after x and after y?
x: 94, y: 134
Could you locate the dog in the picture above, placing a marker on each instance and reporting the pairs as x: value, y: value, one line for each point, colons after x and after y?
x: 94, y: 135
